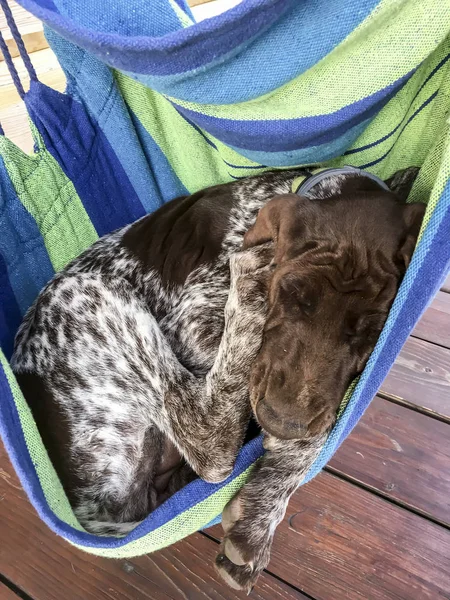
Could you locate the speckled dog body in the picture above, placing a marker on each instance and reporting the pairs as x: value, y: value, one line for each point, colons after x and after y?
x: 120, y: 367
x: 138, y: 358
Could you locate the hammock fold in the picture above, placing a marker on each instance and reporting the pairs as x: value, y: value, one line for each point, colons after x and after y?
x: 158, y: 106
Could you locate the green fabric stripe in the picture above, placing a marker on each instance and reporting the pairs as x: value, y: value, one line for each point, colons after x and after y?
x: 370, y: 58
x: 51, y: 199
x: 414, y: 140
x: 201, y: 166
x: 435, y: 173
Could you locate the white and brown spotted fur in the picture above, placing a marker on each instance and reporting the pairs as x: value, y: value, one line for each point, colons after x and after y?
x: 136, y: 366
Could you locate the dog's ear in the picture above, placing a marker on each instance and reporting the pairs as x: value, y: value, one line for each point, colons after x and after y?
x: 402, y: 181
x: 273, y: 224
x: 412, y: 217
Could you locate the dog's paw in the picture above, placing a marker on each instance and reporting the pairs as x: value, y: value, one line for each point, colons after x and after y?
x: 250, y: 273
x: 252, y: 260
x: 236, y: 576
x: 245, y: 549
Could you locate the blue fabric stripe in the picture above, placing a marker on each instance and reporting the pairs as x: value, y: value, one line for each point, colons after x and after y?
x: 315, y: 154
x: 48, y: 5
x: 86, y: 157
x: 279, y: 135
x: 117, y: 18
x: 288, y: 159
x: 10, y: 315
x: 166, y: 183
x: 177, y: 51
x: 21, y: 245
x: 101, y: 96
x: 300, y: 26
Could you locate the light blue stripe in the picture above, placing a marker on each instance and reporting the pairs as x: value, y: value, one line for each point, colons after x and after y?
x: 136, y: 18
x: 168, y: 184
x: 311, y: 30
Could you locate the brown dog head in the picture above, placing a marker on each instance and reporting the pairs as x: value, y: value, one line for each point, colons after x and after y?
x: 337, y: 267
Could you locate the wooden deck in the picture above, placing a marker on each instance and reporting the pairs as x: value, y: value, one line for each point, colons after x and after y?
x: 374, y: 525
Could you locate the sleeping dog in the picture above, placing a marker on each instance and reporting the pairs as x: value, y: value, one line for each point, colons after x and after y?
x: 144, y: 359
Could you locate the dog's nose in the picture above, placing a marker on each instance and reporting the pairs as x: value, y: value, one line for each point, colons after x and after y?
x: 277, y: 425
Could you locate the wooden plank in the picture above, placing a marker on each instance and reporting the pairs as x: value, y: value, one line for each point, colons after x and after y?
x: 6, y: 593
x: 421, y: 376
x: 46, y: 66
x: 197, y: 2
x: 402, y: 454
x: 14, y: 120
x: 13, y: 114
x: 446, y: 285
x: 47, y: 568
x: 434, y: 325
x: 25, y: 21
x: 341, y: 542
x: 29, y: 26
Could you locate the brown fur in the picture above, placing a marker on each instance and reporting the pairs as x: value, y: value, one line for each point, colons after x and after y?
x: 335, y: 273
x: 142, y: 358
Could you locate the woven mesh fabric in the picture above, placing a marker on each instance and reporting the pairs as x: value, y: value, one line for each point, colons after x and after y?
x: 151, y: 112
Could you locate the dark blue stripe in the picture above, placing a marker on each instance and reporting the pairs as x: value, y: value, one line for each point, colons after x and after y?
x: 433, y: 72
x: 244, y: 166
x: 424, y: 105
x: 280, y: 135
x: 236, y: 177
x: 86, y: 157
x: 388, y: 135
x: 48, y: 5
x: 176, y: 52
x: 22, y: 245
x: 182, y: 4
x: 10, y: 315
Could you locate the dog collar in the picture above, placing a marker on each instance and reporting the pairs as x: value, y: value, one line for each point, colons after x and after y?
x: 304, y: 184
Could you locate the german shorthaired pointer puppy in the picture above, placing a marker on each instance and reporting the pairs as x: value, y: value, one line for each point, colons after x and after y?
x: 144, y: 358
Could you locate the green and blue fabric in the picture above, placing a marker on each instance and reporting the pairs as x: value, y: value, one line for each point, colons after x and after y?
x: 157, y: 106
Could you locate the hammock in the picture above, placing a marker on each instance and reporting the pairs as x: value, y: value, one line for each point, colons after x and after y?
x: 157, y: 106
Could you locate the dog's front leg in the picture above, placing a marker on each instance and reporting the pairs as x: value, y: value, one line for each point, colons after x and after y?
x: 249, y: 520
x: 208, y: 418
